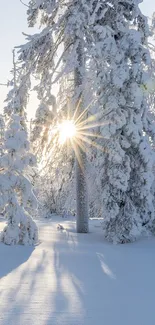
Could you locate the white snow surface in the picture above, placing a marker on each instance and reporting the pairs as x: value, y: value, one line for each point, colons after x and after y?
x: 77, y: 279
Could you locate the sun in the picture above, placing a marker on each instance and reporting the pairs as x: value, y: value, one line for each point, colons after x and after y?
x: 75, y: 130
x: 67, y: 130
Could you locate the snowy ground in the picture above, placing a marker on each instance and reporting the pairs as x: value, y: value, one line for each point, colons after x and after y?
x: 72, y: 279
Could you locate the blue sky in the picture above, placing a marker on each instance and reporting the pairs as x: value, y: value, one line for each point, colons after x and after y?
x: 13, y: 23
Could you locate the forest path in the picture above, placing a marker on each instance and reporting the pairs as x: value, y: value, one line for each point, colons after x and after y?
x: 77, y: 279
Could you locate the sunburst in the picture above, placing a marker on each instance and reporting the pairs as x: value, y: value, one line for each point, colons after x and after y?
x: 77, y: 130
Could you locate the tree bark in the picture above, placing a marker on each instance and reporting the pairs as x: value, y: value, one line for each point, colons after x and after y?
x: 81, y: 162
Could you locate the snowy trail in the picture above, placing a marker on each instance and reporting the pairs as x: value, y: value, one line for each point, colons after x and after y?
x: 72, y: 279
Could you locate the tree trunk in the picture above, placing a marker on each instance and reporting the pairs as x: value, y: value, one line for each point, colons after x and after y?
x: 81, y: 161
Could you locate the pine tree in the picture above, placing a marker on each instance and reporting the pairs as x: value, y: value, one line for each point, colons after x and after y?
x: 122, y: 63
x: 17, y: 198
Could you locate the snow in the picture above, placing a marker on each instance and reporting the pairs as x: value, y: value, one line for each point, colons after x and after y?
x: 77, y: 279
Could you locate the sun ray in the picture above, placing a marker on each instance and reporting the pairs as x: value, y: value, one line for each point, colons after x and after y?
x: 89, y: 134
x: 78, y: 106
x: 90, y: 126
x: 81, y: 116
x: 80, y: 144
x: 76, y: 109
x: 92, y: 143
x: 83, y: 113
x: 88, y: 120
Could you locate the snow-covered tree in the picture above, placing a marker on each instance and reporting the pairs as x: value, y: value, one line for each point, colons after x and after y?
x: 59, y: 51
x: 122, y: 59
x: 150, y: 120
x: 16, y: 197
x: 103, y: 44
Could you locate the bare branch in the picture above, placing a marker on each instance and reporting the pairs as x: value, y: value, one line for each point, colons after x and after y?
x: 24, y: 4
